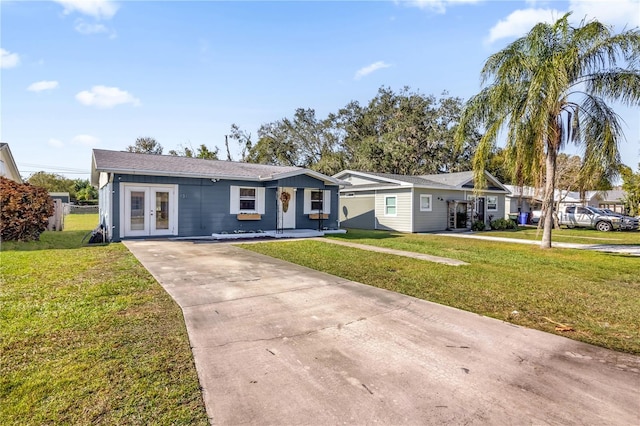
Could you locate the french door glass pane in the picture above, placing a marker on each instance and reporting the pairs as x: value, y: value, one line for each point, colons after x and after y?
x: 137, y: 210
x: 162, y: 210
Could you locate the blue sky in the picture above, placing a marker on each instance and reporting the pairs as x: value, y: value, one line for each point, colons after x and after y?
x: 81, y: 74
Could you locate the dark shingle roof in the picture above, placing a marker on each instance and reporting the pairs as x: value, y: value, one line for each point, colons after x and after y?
x: 443, y: 181
x: 455, y: 180
x: 416, y: 180
x: 170, y: 164
x: 450, y: 179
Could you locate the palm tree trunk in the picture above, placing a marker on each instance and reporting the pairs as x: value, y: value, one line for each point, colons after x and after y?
x: 551, y: 157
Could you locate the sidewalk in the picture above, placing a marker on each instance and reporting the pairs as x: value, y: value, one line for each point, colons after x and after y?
x: 421, y: 256
x: 633, y: 250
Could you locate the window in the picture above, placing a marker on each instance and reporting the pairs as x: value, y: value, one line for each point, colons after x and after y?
x: 248, y: 199
x: 317, y: 200
x: 492, y: 203
x: 245, y: 199
x: 390, y: 206
x: 425, y: 202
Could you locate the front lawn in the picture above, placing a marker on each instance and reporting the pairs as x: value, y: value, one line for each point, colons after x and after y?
x: 89, y: 337
x: 576, y: 235
x: 596, y: 294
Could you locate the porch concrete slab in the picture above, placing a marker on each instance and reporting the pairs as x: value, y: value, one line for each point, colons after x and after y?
x: 277, y: 343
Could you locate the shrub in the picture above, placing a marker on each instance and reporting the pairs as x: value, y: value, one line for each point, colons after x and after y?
x: 25, y: 211
x: 502, y: 224
x: 478, y: 225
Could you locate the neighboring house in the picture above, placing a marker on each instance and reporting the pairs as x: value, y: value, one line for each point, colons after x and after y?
x: 527, y: 199
x: 417, y: 203
x: 143, y: 195
x: 64, y: 197
x: 611, y: 200
x: 523, y: 199
x: 8, y: 168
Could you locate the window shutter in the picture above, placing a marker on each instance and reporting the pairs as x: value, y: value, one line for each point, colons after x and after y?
x: 326, y: 202
x: 260, y: 196
x: 307, y: 201
x: 234, y: 199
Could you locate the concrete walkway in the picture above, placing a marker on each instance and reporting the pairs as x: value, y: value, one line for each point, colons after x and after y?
x: 276, y: 343
x: 633, y: 250
x: 421, y: 256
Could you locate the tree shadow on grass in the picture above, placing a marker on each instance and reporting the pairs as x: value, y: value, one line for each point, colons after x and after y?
x: 362, y: 234
x: 50, y: 240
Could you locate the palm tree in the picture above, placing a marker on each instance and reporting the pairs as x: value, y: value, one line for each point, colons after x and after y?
x: 550, y: 88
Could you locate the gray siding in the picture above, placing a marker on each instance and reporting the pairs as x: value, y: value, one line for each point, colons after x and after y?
x: 498, y: 214
x: 403, y: 219
x: 299, y: 181
x: 358, y: 211
x: 203, y: 205
x: 303, y: 221
x: 436, y: 219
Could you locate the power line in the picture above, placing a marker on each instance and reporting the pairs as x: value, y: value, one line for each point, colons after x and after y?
x: 67, y: 173
x: 62, y: 169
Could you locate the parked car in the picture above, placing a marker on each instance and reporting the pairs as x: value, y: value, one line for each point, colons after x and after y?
x: 628, y: 223
x: 588, y: 217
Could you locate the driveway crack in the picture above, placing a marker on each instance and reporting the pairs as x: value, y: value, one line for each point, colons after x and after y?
x: 306, y: 333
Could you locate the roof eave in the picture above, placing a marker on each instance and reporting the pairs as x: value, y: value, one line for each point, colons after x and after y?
x: 176, y: 174
x: 371, y: 176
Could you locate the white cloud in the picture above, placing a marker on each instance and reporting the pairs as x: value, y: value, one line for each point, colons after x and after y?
x: 520, y: 22
x: 56, y: 143
x: 8, y: 59
x: 85, y: 28
x: 99, y: 9
x: 106, y: 97
x: 39, y: 86
x: 88, y: 28
x: 86, y: 140
x: 437, y: 6
x: 364, y: 71
x: 620, y: 13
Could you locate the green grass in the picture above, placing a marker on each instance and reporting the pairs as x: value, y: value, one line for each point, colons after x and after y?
x: 598, y: 294
x: 89, y: 337
x: 577, y: 235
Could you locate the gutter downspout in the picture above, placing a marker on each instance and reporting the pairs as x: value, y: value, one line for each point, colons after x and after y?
x: 375, y: 208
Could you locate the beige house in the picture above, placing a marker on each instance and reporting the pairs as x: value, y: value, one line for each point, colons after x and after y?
x: 8, y: 168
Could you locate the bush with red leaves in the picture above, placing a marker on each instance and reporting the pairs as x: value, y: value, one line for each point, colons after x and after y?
x: 24, y: 211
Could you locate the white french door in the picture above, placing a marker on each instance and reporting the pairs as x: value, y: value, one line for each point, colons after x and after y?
x: 149, y: 210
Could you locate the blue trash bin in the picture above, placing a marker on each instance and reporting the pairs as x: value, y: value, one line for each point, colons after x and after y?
x: 523, y: 218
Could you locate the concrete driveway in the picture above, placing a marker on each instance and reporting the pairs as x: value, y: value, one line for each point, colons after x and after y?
x: 276, y: 343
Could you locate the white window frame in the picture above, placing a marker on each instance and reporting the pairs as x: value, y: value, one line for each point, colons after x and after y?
x: 326, y: 201
x: 395, y: 205
x: 426, y: 197
x: 489, y: 203
x: 234, y: 199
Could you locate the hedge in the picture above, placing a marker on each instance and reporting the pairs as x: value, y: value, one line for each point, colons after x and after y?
x: 24, y: 211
